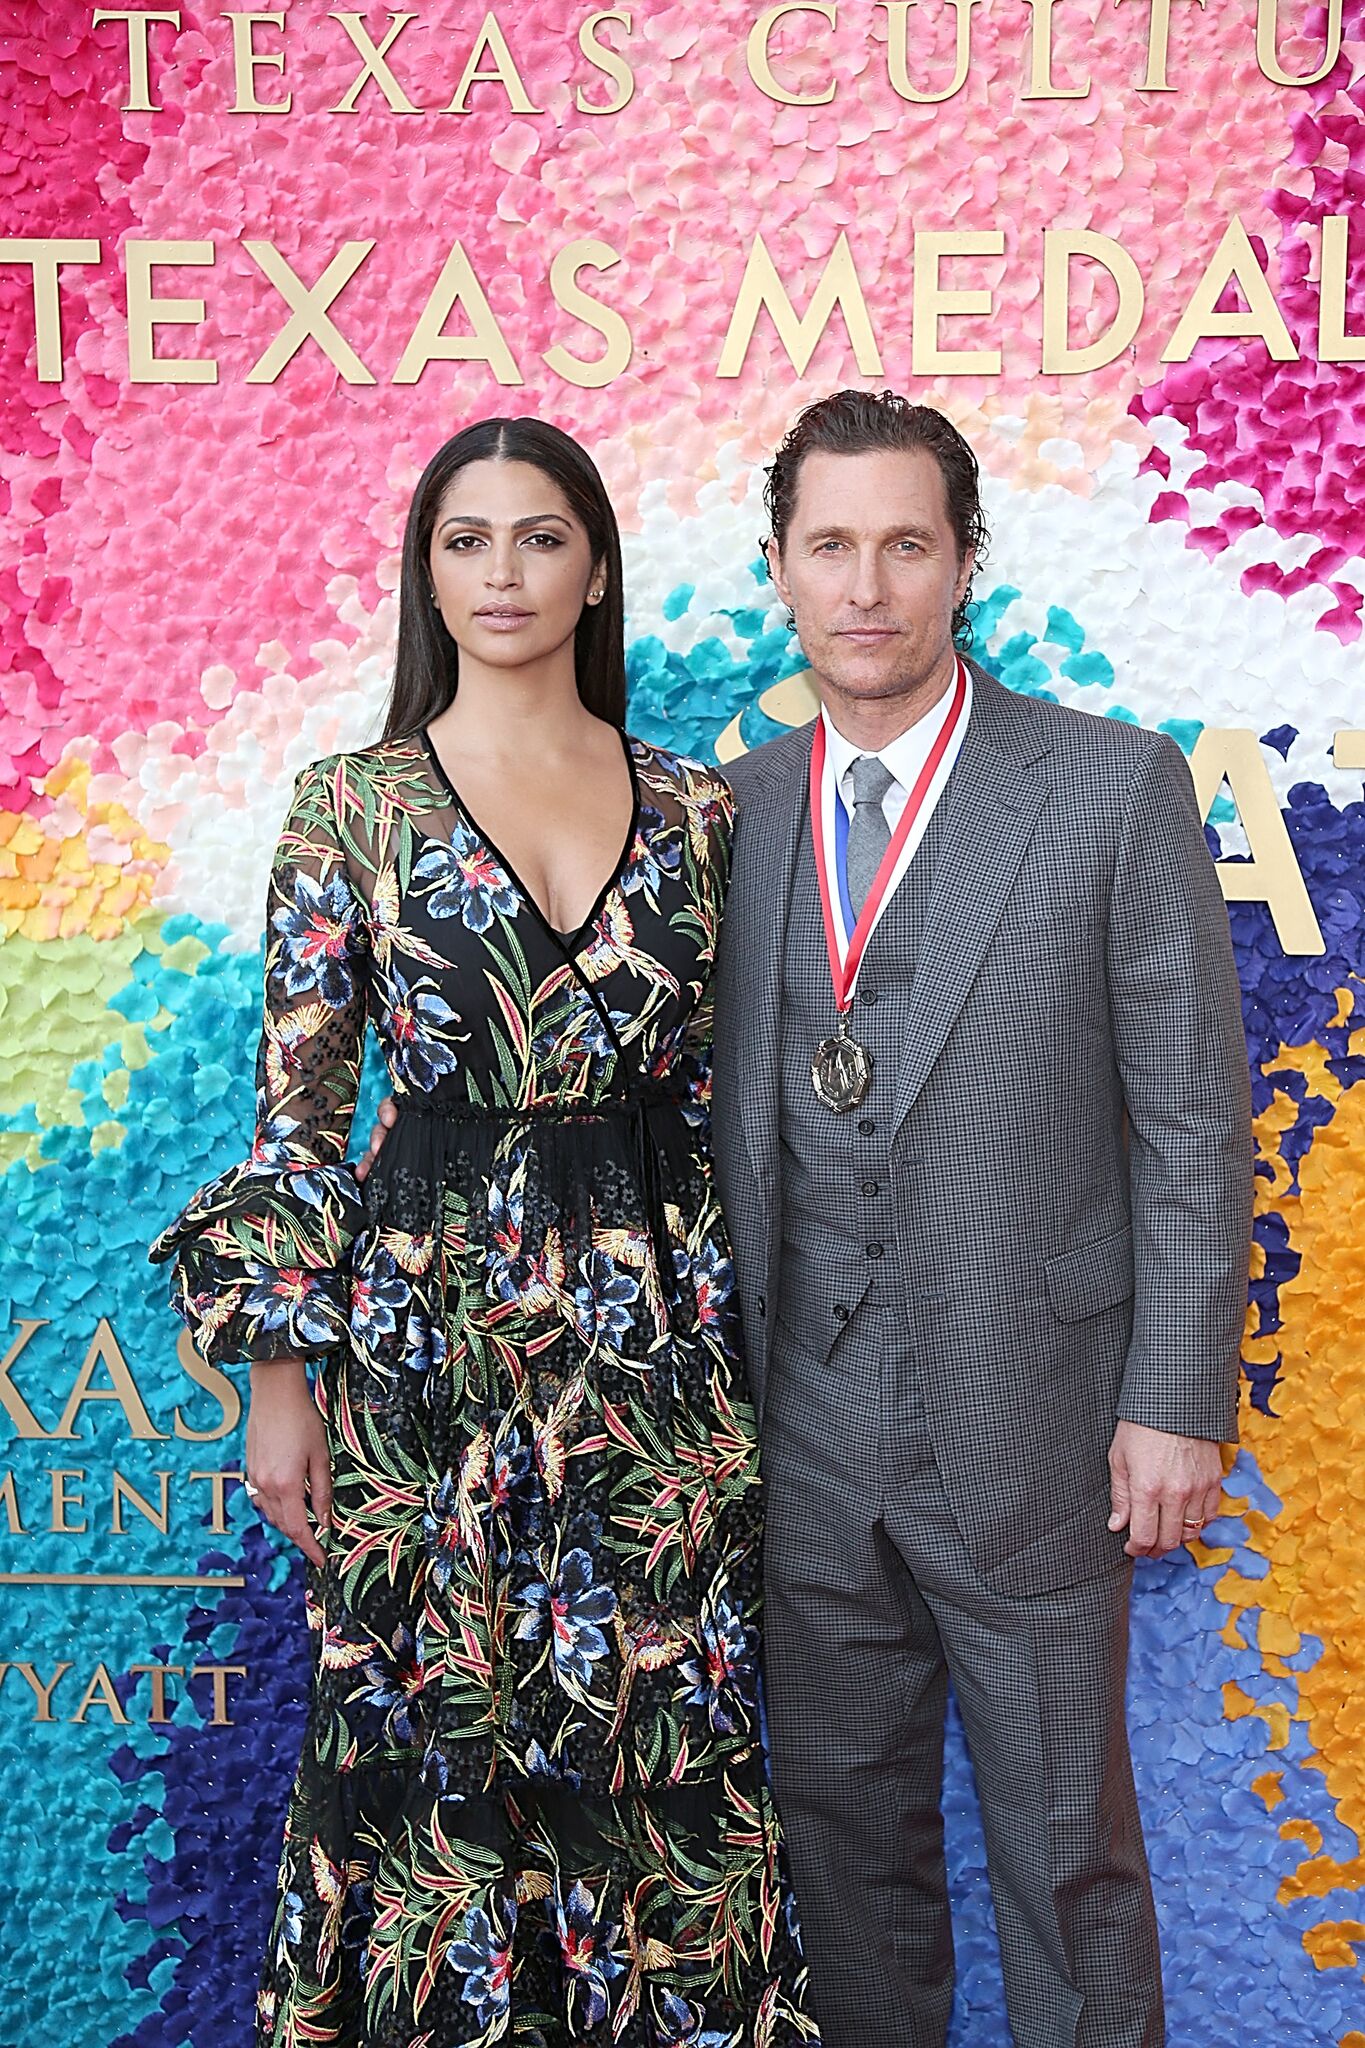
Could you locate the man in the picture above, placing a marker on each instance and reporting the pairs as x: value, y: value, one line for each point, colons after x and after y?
x: 982, y: 1129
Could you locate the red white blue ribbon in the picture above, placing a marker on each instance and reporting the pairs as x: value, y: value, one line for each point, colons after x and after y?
x: 844, y: 971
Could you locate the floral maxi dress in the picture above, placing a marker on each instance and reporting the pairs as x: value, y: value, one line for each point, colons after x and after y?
x: 532, y: 1803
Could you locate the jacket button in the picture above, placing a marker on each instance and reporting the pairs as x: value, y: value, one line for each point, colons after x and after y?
x: 871, y: 1187
x: 869, y: 995
x: 874, y: 1251
x: 840, y: 1312
x: 866, y: 1127
x: 762, y: 1305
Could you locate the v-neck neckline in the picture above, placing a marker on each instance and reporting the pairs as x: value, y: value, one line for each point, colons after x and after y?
x: 568, y: 942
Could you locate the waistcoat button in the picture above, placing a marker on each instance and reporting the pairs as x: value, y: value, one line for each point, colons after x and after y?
x: 871, y: 1187
x: 866, y: 1127
x: 869, y: 995
x: 874, y: 1251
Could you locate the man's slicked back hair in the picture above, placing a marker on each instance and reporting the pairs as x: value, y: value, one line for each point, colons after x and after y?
x: 863, y: 423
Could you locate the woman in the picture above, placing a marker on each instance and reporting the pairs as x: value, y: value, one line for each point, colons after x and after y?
x: 532, y: 1800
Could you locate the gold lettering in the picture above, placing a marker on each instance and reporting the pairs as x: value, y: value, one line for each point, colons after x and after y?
x: 213, y: 1381
x: 1158, y: 45
x: 45, y: 258
x: 1233, y: 261
x: 104, y: 1350
x: 760, y: 63
x: 374, y: 64
x: 1268, y: 38
x: 933, y: 301
x: 100, y: 1693
x: 247, y: 60
x: 139, y: 20
x: 146, y: 313
x: 9, y: 1500
x: 1232, y: 754
x: 568, y: 261
x: 1060, y: 247
x: 62, y: 1500
x: 1348, y: 749
x: 1335, y: 345
x: 761, y: 286
x: 42, y: 1693
x: 1040, y: 85
x: 220, y: 1673
x: 124, y: 1490
x: 158, y: 1673
x: 897, y: 50
x: 607, y: 61
x: 492, y: 42
x: 26, y: 1423
x: 308, y: 305
x: 218, y: 1493
x: 457, y: 285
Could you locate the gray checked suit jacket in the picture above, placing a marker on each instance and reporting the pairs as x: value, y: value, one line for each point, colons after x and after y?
x: 1071, y: 1161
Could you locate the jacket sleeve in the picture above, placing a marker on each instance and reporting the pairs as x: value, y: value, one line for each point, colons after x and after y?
x: 261, y: 1255
x: 1177, y: 1023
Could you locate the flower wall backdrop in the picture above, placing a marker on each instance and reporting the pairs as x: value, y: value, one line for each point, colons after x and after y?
x: 199, y: 568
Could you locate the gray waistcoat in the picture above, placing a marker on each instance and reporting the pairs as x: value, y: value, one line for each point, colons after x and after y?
x: 838, y: 1210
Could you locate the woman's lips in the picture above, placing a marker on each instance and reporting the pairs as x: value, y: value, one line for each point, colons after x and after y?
x: 504, y: 622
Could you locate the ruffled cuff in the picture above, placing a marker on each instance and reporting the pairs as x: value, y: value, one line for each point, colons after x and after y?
x: 263, y: 1258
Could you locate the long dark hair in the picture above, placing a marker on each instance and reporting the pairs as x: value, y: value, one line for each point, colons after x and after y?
x: 427, y: 669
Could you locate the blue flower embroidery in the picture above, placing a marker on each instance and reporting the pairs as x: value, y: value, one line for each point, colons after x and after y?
x: 485, y: 1956
x: 290, y: 1301
x: 687, y: 2026
x: 723, y: 1676
x: 415, y: 1018
x: 569, y: 1612
x: 291, y: 1923
x: 378, y: 1291
x: 585, y: 1951
x: 463, y: 880
x: 656, y: 854
x: 602, y: 1298
x: 713, y: 1277
x: 396, y: 1678
x: 315, y: 934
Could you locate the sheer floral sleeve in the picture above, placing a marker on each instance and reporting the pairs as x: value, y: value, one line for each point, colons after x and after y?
x: 262, y: 1253
x: 711, y: 823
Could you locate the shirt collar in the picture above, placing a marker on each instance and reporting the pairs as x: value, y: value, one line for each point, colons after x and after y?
x: 904, y: 756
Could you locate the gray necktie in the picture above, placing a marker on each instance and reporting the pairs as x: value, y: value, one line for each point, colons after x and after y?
x: 869, y: 835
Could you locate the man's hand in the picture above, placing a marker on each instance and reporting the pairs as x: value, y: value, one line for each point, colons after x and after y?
x: 387, y: 1113
x: 1164, y: 1488
x: 286, y: 1453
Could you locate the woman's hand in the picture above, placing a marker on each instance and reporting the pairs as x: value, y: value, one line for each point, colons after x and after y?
x: 387, y: 1113
x: 286, y: 1453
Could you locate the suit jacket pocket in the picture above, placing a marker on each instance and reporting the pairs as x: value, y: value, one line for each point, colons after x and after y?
x: 1091, y: 1277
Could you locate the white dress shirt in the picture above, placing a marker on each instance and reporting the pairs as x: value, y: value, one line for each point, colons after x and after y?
x: 904, y: 758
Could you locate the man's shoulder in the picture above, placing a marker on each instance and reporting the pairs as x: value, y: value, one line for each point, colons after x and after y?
x: 773, y: 761
x: 1107, y: 748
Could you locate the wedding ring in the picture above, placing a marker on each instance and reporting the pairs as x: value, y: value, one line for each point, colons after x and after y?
x: 1192, y: 1525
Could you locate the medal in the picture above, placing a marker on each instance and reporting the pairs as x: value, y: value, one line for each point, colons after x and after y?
x: 841, y: 1071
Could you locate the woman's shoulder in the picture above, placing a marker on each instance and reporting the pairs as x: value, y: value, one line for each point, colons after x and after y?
x: 693, y: 782
x: 398, y: 769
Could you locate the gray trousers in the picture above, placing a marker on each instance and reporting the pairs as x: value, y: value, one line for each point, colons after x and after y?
x: 872, y: 1602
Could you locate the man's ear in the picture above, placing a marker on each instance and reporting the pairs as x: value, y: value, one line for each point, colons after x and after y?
x: 964, y: 575
x: 772, y: 555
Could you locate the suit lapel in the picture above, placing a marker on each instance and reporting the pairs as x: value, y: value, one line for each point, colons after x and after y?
x: 772, y: 816
x: 995, y: 797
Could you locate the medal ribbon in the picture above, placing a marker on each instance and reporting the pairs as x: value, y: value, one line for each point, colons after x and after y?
x: 844, y: 973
